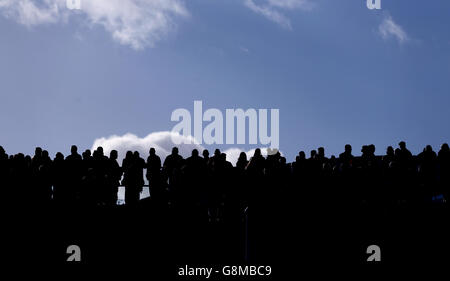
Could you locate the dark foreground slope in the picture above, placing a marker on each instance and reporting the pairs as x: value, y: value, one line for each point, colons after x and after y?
x: 288, y: 235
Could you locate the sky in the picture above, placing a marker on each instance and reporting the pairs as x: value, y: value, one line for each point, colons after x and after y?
x: 338, y: 72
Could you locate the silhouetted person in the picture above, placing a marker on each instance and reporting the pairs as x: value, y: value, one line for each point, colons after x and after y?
x: 444, y: 169
x: 194, y: 171
x: 255, y: 170
x: 73, y: 172
x: 314, y: 166
x: 215, y: 159
x: 404, y: 156
x: 242, y: 161
x: 4, y: 166
x: 3, y: 154
x: 154, y: 175
x: 256, y: 164
x: 346, y: 157
x: 5, y: 172
x: 87, y: 160
x: 299, y: 165
x: 172, y: 168
x: 58, y: 178
x: 321, y: 156
x: 205, y: 155
x: 36, y: 160
x: 349, y: 195
x: 134, y: 178
x: 114, y: 174
x: 427, y: 168
x: 44, y: 192
x: 389, y: 157
x: 73, y: 153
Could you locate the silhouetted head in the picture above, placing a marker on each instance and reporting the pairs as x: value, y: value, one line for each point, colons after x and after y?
x: 321, y: 151
x: 302, y: 155
x: 205, y: 153
x: 2, y: 150
x: 364, y: 149
x: 38, y: 151
x: 348, y: 148
x: 371, y: 148
x: 217, y: 152
x: 113, y: 155
x: 129, y: 154
x: 59, y: 156
x: 175, y: 151
x: 100, y: 150
x: 195, y: 152
x: 223, y: 157
x: 313, y: 153
x: 87, y: 152
x: 136, y: 154
x: 74, y: 149
x: 242, y: 156
x: 45, y: 154
x: 444, y: 147
x: 428, y: 148
x: 390, y: 151
x: 257, y: 152
x: 152, y: 151
x: 402, y: 145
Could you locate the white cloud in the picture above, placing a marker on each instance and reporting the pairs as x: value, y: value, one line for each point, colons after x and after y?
x: 271, y: 8
x: 29, y: 12
x: 136, y: 23
x: 162, y: 142
x: 389, y: 28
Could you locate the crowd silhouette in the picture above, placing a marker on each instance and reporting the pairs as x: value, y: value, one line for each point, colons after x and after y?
x: 94, y: 178
x: 211, y: 195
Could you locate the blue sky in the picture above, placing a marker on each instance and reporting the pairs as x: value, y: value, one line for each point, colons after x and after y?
x: 338, y: 72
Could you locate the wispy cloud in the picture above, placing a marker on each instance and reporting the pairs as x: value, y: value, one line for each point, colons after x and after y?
x: 136, y: 23
x: 271, y: 9
x: 390, y: 29
x: 270, y: 13
x: 292, y: 4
